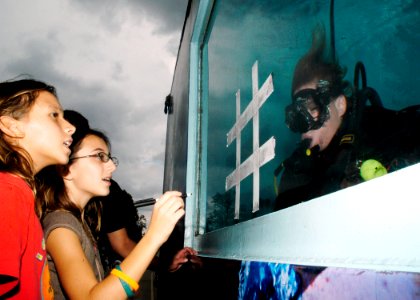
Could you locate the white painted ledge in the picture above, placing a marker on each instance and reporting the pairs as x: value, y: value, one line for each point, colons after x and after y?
x: 373, y: 225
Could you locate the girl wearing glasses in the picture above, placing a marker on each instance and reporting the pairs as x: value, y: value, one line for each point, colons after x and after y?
x: 75, y: 266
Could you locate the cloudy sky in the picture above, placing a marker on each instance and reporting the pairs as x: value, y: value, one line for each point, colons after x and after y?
x: 113, y: 61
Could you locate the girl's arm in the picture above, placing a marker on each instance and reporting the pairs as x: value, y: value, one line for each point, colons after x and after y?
x: 75, y: 272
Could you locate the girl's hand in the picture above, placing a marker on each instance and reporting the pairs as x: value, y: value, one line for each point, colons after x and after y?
x: 169, y: 208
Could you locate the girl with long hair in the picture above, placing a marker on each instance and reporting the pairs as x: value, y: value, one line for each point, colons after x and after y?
x: 33, y: 135
x: 76, y: 270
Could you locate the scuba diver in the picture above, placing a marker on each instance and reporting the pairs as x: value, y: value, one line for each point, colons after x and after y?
x: 344, y: 141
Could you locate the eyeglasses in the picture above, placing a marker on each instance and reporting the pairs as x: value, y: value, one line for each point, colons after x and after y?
x: 103, y: 157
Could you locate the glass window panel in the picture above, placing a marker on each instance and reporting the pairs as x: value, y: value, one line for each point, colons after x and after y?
x: 277, y: 34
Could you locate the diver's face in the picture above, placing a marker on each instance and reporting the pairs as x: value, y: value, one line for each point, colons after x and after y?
x: 323, y: 136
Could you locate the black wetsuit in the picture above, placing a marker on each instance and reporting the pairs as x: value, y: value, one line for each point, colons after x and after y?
x: 390, y: 137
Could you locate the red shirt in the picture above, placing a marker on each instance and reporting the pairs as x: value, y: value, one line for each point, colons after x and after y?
x: 22, y: 245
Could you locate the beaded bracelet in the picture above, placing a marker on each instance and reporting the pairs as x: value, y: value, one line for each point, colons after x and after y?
x: 129, y: 284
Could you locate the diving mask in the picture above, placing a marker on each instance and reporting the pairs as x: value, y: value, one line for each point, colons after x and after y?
x: 309, y: 109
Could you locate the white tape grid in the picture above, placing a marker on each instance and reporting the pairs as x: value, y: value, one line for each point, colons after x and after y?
x: 261, y: 155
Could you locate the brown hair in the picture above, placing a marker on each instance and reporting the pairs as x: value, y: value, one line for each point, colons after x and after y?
x: 319, y: 64
x: 54, y: 194
x: 16, y: 99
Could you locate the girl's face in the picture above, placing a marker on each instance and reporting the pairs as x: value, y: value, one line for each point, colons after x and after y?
x: 44, y: 133
x: 88, y: 176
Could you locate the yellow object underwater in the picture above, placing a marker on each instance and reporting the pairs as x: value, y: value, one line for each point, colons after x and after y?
x: 372, y: 168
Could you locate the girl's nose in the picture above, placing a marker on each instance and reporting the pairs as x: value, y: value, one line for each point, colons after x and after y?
x: 111, y: 165
x: 68, y: 127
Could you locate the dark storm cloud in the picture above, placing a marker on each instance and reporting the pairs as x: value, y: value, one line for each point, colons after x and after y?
x: 108, y: 60
x: 31, y: 65
x: 78, y: 94
x: 166, y: 13
x: 162, y: 12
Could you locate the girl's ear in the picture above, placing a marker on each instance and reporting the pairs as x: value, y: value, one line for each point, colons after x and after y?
x: 341, y: 105
x: 10, y: 127
x: 65, y: 172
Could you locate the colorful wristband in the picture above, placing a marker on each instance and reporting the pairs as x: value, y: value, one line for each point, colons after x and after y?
x: 129, y: 292
x: 131, y: 282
